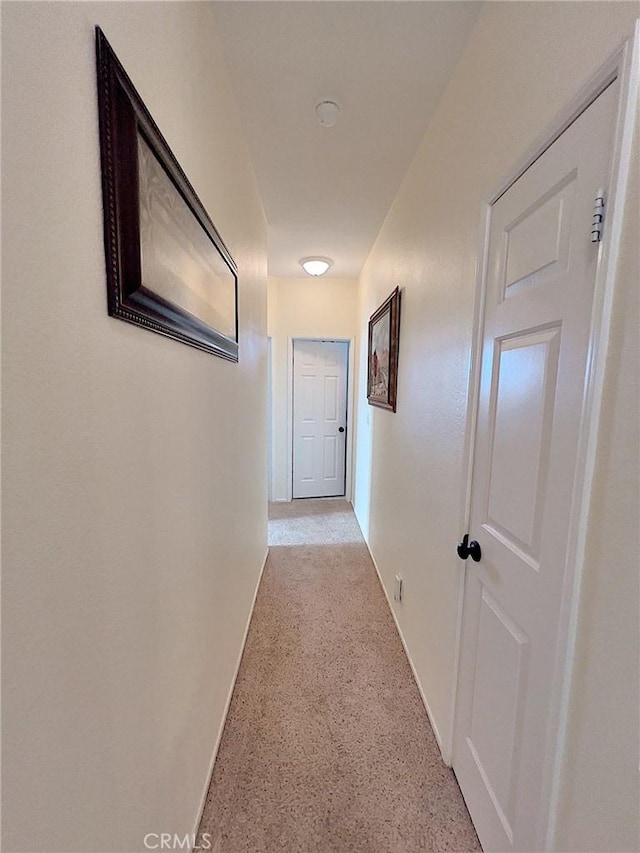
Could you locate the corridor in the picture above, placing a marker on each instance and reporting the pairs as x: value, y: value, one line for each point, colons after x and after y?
x: 200, y: 199
x: 327, y: 746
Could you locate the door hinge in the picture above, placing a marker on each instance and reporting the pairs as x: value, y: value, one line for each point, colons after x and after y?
x: 597, y: 223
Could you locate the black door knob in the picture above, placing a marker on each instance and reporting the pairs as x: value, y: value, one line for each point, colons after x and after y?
x: 468, y: 549
x: 340, y: 429
x: 475, y: 551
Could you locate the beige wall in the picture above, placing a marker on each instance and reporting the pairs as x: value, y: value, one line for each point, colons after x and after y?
x: 134, y: 467
x: 301, y: 308
x: 522, y: 63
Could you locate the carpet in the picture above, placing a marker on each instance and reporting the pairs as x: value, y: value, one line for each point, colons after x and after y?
x: 327, y: 747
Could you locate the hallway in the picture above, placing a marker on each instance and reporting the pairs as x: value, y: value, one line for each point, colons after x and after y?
x: 327, y: 746
x: 478, y: 164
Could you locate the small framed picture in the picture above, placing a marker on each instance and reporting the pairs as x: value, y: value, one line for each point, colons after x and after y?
x: 384, y: 332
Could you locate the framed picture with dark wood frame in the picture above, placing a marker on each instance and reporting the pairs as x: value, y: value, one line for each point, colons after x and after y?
x: 167, y: 266
x: 384, y: 338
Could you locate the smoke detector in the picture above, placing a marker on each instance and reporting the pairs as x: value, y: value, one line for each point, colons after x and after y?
x: 326, y: 113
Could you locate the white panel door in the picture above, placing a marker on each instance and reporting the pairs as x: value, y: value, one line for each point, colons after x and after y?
x: 319, y: 418
x: 540, y: 281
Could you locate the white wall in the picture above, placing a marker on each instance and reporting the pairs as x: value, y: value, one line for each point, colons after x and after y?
x: 522, y: 63
x: 134, y: 466
x: 302, y: 308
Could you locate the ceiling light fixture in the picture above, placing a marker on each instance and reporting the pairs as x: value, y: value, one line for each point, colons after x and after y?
x: 327, y: 113
x: 315, y: 266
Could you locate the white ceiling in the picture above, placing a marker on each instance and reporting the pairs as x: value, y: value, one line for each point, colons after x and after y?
x: 326, y: 191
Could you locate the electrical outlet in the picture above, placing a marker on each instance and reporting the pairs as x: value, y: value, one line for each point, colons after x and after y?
x: 397, y: 589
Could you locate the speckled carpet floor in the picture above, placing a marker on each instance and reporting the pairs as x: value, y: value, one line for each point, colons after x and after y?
x: 327, y: 747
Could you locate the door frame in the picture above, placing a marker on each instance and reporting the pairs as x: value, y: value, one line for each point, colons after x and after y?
x: 348, y: 465
x: 270, y: 451
x: 619, y: 66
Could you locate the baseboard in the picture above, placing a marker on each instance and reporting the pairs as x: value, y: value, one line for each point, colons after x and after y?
x: 216, y: 746
x: 408, y: 654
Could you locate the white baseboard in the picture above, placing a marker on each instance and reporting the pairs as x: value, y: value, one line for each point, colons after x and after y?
x: 227, y: 705
x: 445, y: 758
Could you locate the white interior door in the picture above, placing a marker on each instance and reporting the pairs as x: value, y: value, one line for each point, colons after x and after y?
x: 539, y: 294
x: 319, y: 418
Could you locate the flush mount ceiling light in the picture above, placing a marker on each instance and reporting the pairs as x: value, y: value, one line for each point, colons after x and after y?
x: 326, y: 113
x: 315, y: 266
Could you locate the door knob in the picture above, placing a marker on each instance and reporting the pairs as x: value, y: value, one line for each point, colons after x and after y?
x: 340, y: 429
x: 471, y: 549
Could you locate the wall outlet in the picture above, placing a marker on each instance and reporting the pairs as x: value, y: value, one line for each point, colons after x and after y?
x: 397, y: 588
